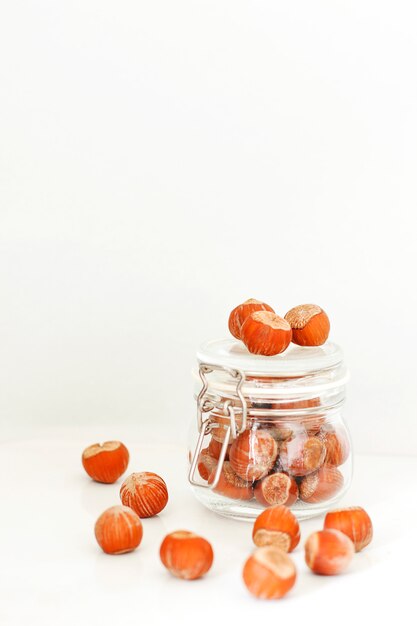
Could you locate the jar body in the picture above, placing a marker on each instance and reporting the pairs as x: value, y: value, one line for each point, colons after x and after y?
x: 282, y: 440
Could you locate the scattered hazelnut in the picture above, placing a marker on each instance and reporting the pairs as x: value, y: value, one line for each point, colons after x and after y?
x: 321, y: 485
x: 230, y: 484
x: 253, y: 454
x: 277, y: 488
x: 145, y: 492
x: 269, y: 573
x: 206, y: 464
x: 277, y: 526
x: 264, y: 332
x: 328, y: 552
x: 353, y: 522
x: 118, y: 530
x: 310, y: 325
x: 337, y: 446
x: 186, y: 555
x: 105, y: 462
x: 302, y: 455
x: 241, y: 312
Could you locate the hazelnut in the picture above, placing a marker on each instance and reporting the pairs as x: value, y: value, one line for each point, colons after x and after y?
x: 281, y: 432
x: 302, y: 455
x: 264, y: 332
x: 313, y: 424
x: 306, y: 403
x: 253, y: 454
x: 321, y: 485
x: 353, y: 522
x: 145, y: 492
x: 269, y: 573
x: 230, y: 484
x: 242, y: 311
x: 215, y: 448
x: 206, y: 464
x: 219, y: 424
x: 328, y: 552
x: 337, y: 446
x: 186, y: 555
x: 118, y: 530
x: 277, y: 488
x: 309, y: 323
x: 277, y: 526
x: 105, y: 462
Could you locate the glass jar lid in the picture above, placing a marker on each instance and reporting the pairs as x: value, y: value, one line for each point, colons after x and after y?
x: 298, y: 370
x: 294, y: 362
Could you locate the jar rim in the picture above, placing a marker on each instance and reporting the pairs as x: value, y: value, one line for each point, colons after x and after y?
x: 294, y: 362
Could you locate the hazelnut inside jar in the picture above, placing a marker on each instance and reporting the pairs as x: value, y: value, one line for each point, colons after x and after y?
x: 269, y: 430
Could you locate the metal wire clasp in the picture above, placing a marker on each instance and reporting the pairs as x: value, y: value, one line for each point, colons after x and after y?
x: 205, y: 426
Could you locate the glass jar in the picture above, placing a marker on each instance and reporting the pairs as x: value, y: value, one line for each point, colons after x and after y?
x: 269, y: 430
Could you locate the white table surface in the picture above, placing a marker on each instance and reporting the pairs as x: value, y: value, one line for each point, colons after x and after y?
x: 53, y: 572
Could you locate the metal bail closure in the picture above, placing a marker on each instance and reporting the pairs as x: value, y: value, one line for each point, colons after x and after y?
x: 205, y: 426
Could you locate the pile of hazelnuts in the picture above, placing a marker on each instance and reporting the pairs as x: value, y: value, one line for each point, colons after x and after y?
x: 264, y: 332
x: 268, y: 573
x: 278, y: 462
x: 278, y: 466
x: 143, y: 494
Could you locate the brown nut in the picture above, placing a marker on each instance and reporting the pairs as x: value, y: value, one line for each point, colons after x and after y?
x: 206, y: 464
x: 337, y: 445
x: 231, y: 485
x: 277, y: 488
x: 281, y: 432
x: 277, y: 526
x: 105, y: 462
x: 186, y: 555
x: 144, y: 492
x: 353, y: 522
x: 118, y: 530
x: 265, y: 333
x: 321, y: 485
x: 302, y: 455
x: 242, y: 311
x: 269, y: 573
x: 306, y: 403
x: 215, y: 448
x: 220, y: 424
x: 328, y: 552
x: 253, y: 454
x: 313, y: 423
x: 309, y: 323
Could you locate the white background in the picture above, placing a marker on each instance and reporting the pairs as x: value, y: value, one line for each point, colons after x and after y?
x: 162, y: 161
